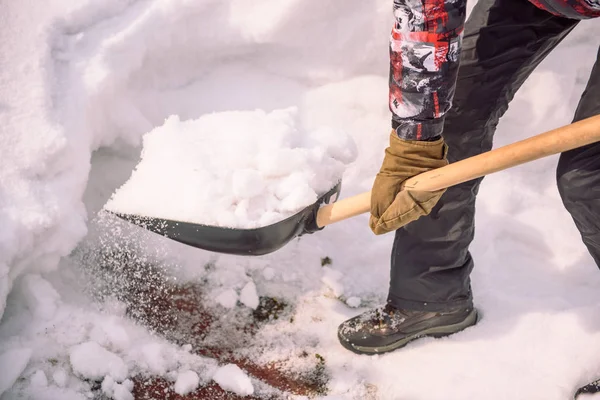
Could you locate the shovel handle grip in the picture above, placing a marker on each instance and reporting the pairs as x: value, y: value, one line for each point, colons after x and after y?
x: 558, y: 140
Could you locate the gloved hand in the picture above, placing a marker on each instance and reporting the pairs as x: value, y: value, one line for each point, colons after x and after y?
x: 404, y: 159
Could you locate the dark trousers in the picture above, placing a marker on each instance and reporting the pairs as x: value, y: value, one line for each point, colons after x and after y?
x: 504, y: 41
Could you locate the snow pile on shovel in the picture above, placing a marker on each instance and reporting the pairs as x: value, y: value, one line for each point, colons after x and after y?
x: 238, y: 169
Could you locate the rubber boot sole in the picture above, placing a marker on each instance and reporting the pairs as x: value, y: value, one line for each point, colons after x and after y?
x: 436, y: 332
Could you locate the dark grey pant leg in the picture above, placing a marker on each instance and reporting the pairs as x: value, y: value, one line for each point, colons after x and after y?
x: 578, y: 172
x: 504, y: 41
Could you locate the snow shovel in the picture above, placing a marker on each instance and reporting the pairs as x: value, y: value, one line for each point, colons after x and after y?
x: 327, y: 211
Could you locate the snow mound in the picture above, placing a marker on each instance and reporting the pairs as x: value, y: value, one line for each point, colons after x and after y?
x: 239, y: 169
x: 230, y: 377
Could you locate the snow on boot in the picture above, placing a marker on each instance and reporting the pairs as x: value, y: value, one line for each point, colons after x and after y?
x: 388, y: 328
x: 593, y: 387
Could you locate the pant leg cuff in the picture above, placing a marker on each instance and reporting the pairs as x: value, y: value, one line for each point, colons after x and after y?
x: 416, y: 305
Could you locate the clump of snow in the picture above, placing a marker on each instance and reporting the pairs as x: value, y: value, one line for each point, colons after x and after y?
x: 353, y: 301
x: 230, y: 377
x: 241, y: 169
x: 39, y: 379
x: 152, y: 356
x: 91, y: 361
x: 228, y: 298
x: 187, y: 382
x: 249, y: 296
x: 186, y: 347
x: 123, y: 392
x: 108, y: 385
x: 60, y: 377
x: 117, y: 391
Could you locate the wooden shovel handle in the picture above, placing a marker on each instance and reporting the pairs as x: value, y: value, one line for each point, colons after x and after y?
x: 545, y: 144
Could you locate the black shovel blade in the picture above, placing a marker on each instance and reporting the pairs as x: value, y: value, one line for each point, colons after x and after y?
x: 246, y: 242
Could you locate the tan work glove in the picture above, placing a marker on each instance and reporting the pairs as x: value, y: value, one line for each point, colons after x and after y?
x: 404, y: 159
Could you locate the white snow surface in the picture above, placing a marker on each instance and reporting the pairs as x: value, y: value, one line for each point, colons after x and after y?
x: 228, y: 298
x: 12, y: 365
x: 242, y: 169
x: 231, y: 378
x: 81, y: 82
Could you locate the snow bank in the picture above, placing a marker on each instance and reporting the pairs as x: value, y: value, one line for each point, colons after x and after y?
x: 80, y: 75
x: 233, y: 169
x: 43, y: 166
x: 77, y: 76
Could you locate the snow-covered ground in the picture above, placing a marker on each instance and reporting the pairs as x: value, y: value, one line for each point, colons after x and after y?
x: 82, y: 81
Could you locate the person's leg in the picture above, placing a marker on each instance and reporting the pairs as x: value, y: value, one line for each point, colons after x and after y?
x: 504, y: 41
x: 578, y: 172
x: 578, y: 178
x: 429, y: 290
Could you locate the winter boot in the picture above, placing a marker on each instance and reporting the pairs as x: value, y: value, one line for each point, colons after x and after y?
x: 388, y: 328
x: 593, y: 387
